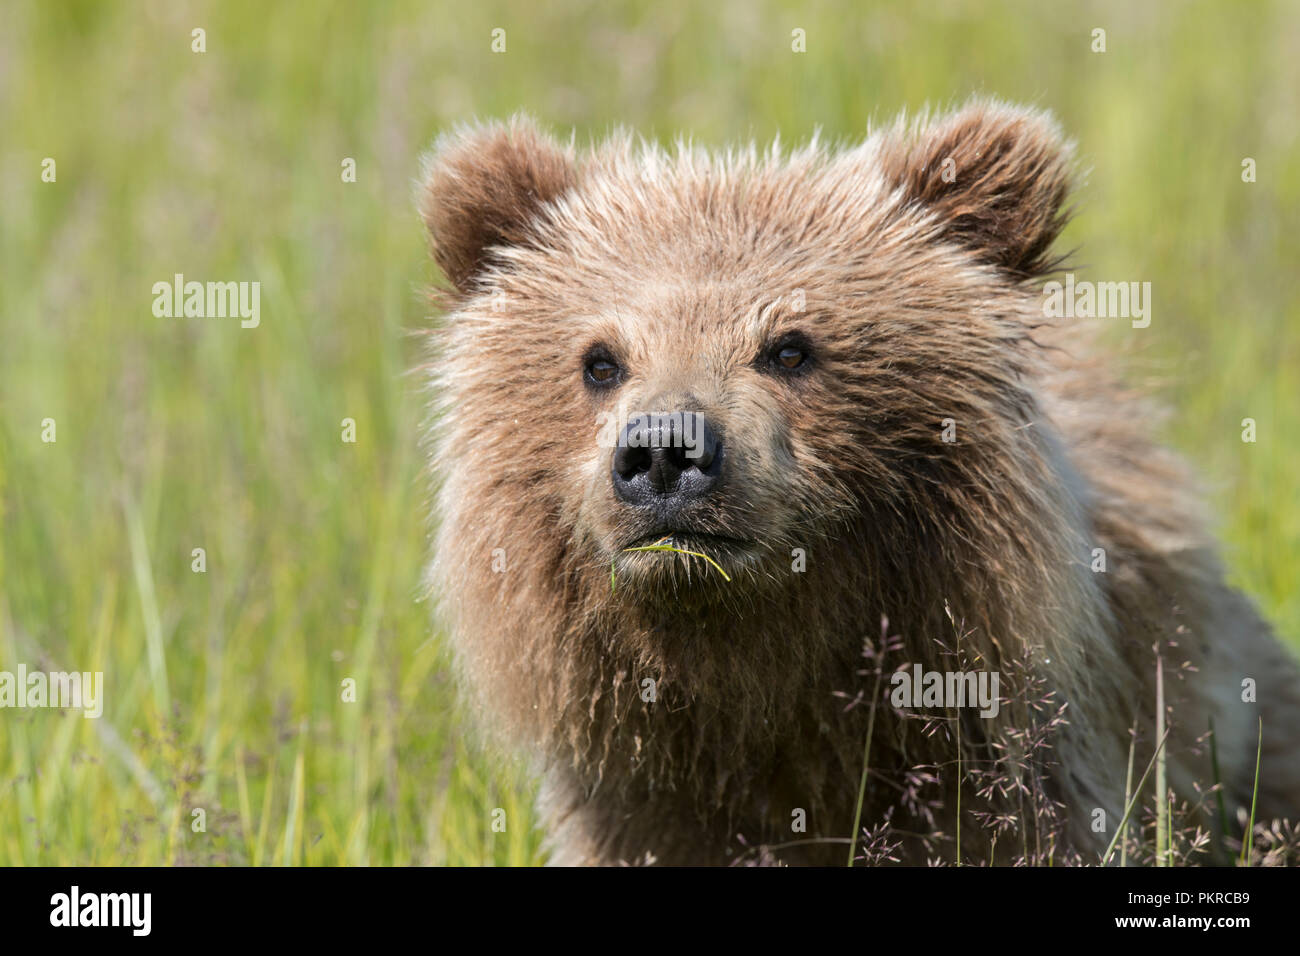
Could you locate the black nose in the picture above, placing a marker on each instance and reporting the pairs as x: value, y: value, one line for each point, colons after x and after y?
x: 666, y: 460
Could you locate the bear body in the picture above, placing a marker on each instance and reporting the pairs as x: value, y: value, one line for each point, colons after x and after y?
x: 829, y: 372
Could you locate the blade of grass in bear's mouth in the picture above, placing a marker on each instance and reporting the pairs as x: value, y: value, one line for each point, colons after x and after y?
x: 661, y: 545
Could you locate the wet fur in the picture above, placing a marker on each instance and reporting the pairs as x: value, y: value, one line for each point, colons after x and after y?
x: 922, y: 299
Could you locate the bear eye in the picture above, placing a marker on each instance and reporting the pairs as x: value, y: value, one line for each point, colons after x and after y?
x: 790, y: 357
x: 790, y: 353
x: 600, y: 370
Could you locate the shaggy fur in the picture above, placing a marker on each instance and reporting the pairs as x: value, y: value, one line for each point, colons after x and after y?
x: 919, y: 296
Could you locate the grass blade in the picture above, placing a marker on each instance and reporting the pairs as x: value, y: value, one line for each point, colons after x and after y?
x: 1218, y: 785
x: 866, y: 749
x: 1128, y: 810
x: 1248, y: 845
x: 148, y: 610
x: 1128, y: 795
x: 660, y: 546
x: 1162, y: 785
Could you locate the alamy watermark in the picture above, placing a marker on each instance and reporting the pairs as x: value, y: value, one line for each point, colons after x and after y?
x: 130, y: 910
x: 919, y: 688
x: 683, y: 430
x: 59, y: 690
x: 1098, y: 300
x: 208, y: 300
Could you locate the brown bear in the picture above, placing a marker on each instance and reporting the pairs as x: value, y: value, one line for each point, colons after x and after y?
x: 817, y: 392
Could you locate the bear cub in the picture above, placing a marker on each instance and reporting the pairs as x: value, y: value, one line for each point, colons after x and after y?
x: 734, y: 450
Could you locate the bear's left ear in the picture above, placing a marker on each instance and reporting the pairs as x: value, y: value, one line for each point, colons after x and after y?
x: 995, y: 176
x: 485, y: 188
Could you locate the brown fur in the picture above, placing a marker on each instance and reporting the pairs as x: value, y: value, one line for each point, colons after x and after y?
x: 920, y: 304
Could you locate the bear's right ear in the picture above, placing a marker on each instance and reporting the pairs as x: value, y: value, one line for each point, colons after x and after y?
x: 484, y: 187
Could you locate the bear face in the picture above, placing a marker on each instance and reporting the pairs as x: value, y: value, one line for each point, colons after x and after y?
x: 813, y: 320
x: 825, y: 382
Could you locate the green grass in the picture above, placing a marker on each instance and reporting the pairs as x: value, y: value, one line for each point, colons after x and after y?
x: 224, y: 689
x: 661, y: 546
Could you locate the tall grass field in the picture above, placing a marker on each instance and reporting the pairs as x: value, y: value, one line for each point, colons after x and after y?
x: 180, y: 508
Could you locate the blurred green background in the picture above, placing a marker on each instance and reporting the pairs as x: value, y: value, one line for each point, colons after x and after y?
x: 224, y: 688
